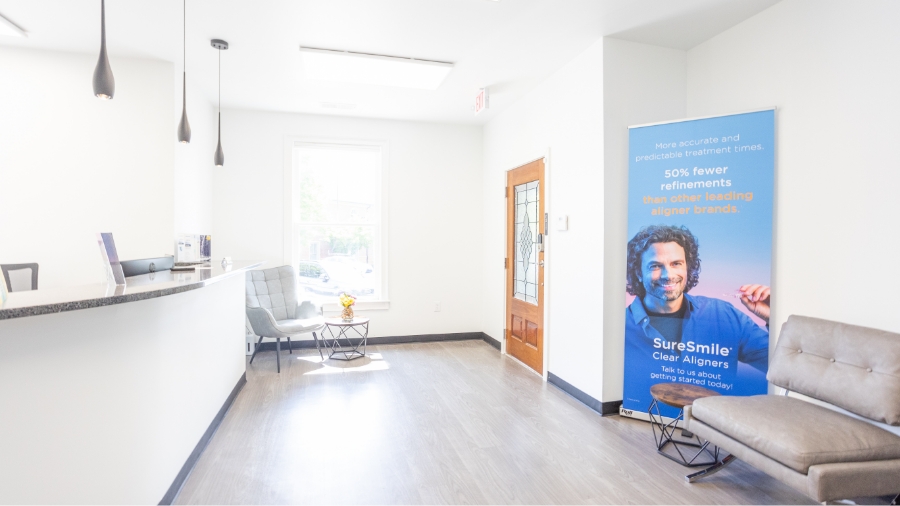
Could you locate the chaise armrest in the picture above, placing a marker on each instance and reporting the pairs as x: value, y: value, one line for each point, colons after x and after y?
x: 686, y: 423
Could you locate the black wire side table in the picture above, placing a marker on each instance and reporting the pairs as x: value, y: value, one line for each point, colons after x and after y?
x: 347, y: 350
x: 690, y: 450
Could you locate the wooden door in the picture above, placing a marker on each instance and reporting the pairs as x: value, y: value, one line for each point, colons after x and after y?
x: 525, y: 264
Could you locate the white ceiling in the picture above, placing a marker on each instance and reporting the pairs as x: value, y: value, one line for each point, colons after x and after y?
x: 508, y: 45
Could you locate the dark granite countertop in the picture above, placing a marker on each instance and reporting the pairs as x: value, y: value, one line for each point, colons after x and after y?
x: 147, y: 286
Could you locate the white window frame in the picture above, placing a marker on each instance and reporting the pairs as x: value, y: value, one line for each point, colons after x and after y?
x: 290, y: 141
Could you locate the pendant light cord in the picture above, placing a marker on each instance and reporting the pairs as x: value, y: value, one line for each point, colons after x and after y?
x: 184, y: 36
x: 220, y: 81
x: 103, y: 22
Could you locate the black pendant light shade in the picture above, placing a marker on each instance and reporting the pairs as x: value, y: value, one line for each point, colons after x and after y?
x: 219, y: 158
x: 104, y: 82
x: 184, y: 126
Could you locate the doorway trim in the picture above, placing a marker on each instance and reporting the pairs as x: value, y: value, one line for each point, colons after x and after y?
x: 548, y: 257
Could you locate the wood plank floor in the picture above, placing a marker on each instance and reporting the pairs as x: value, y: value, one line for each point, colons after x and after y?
x: 437, y: 423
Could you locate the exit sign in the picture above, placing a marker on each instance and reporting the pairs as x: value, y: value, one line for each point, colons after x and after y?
x: 481, y: 100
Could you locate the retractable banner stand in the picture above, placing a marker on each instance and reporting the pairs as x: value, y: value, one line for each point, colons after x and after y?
x: 699, y: 256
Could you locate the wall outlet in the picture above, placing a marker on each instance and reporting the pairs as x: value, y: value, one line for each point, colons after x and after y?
x: 437, y: 306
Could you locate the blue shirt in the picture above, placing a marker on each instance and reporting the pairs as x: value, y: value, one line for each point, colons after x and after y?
x: 715, y: 337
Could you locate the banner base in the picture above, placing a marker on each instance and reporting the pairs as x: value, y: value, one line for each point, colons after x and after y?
x: 641, y: 415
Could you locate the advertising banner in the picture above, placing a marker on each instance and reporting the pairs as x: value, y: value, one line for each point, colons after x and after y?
x: 699, y: 262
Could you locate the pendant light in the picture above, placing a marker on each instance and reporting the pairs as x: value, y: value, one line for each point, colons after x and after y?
x: 221, y: 45
x: 184, y: 126
x: 104, y: 83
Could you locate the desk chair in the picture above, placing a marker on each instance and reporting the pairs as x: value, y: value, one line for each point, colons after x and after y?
x: 273, y: 309
x: 16, y: 277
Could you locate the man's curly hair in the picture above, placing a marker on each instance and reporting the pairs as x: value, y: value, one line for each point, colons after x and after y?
x: 661, y: 233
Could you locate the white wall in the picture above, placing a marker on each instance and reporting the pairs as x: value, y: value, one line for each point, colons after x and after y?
x: 641, y: 84
x: 823, y: 65
x: 581, y: 115
x: 194, y: 169
x: 72, y: 165
x: 434, y: 213
x: 565, y: 115
x: 830, y: 68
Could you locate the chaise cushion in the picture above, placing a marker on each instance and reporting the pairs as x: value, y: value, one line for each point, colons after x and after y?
x: 796, y: 433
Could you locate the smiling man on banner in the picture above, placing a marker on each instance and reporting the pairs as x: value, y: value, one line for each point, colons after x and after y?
x: 686, y: 338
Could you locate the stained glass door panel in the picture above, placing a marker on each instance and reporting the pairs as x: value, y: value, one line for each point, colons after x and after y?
x: 526, y: 265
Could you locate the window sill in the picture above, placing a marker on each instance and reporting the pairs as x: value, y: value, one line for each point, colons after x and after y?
x: 367, y: 305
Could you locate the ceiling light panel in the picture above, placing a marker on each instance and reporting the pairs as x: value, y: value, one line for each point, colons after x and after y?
x: 381, y: 70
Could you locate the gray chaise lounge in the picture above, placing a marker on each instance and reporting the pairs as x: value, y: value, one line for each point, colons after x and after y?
x: 823, y: 453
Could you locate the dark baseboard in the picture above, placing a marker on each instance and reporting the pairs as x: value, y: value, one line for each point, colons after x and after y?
x: 490, y: 340
x: 375, y: 341
x: 604, y: 408
x: 201, y: 445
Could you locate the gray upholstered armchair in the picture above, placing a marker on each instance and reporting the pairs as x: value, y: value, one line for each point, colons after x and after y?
x: 274, y: 311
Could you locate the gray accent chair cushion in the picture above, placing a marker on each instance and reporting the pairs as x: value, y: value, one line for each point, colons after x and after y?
x: 796, y: 433
x: 274, y: 289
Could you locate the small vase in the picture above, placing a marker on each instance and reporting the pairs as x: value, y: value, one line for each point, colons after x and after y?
x: 347, y: 314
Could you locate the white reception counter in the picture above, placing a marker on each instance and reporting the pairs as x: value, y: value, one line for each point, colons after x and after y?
x: 105, y: 392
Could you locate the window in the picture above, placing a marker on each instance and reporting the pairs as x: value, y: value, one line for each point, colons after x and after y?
x: 337, y: 228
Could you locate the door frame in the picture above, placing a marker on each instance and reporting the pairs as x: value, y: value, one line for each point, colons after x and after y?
x: 548, y: 258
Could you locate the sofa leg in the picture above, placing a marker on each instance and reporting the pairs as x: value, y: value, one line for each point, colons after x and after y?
x: 713, y: 469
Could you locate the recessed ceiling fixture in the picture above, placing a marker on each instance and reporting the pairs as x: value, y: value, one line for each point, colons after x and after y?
x: 7, y: 27
x: 104, y: 82
x: 382, y: 70
x: 221, y: 45
x: 184, y: 126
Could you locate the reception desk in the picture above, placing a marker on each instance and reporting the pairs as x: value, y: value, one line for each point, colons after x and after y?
x: 106, y: 391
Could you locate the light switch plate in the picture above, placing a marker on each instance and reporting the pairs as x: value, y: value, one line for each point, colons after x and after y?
x: 562, y: 223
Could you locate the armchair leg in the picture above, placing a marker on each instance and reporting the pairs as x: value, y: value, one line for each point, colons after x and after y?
x: 713, y: 469
x: 316, y: 339
x: 278, y: 353
x: 290, y: 347
x: 256, y: 348
x: 896, y: 500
